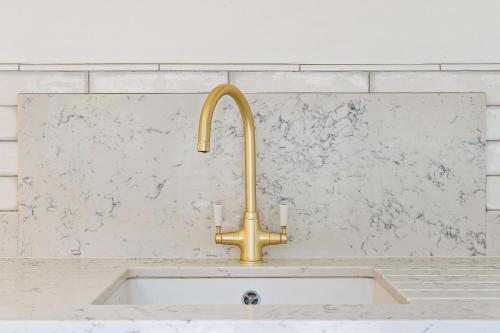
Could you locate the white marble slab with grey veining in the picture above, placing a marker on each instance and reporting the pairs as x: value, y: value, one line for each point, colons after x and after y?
x: 56, y: 295
x: 364, y: 174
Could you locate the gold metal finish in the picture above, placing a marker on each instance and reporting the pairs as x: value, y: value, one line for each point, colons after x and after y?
x: 250, y: 238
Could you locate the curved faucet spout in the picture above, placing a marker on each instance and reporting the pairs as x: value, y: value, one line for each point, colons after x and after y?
x: 247, y: 118
x: 250, y: 238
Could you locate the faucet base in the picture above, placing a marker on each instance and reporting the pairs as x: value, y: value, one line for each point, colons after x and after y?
x: 249, y: 263
x: 250, y: 239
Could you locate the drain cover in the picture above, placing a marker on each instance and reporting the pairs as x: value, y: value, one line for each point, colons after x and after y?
x: 250, y: 298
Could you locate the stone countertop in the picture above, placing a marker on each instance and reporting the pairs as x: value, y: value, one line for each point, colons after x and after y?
x: 54, y: 294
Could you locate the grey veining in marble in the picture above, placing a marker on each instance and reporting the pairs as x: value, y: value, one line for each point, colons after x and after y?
x: 378, y: 174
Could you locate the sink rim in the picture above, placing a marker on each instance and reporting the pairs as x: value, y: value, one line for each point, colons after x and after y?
x: 234, y: 272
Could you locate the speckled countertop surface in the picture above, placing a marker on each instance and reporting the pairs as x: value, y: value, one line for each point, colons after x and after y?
x: 440, y: 288
x: 62, y: 290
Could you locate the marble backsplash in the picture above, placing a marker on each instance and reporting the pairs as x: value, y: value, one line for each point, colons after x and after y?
x: 364, y: 174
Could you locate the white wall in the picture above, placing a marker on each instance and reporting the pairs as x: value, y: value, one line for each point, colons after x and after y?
x: 250, y: 31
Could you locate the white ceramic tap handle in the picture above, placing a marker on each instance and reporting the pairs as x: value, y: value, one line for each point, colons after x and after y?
x: 218, y: 214
x: 283, y: 214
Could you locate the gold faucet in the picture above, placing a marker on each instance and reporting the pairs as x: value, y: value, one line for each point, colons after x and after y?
x: 250, y: 238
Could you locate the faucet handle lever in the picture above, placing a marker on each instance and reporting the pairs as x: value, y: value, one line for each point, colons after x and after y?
x: 283, y: 214
x: 218, y: 214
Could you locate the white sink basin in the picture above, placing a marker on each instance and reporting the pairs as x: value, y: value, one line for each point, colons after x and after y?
x: 159, y: 287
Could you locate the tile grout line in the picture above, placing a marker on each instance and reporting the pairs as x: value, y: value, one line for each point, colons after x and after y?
x: 18, y: 229
x: 300, y: 66
x: 155, y: 67
x: 88, y: 82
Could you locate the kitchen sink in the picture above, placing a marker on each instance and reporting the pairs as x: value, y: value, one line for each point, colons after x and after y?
x: 245, y: 287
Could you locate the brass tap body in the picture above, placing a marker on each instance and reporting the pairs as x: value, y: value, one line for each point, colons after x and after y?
x: 250, y: 238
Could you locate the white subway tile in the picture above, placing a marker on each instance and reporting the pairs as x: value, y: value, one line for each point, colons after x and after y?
x: 8, y: 158
x: 488, y: 82
x: 8, y: 234
x: 155, y: 82
x: 470, y: 67
x: 9, y: 67
x: 8, y: 123
x: 229, y: 67
x: 492, y: 233
x: 371, y: 68
x: 8, y: 193
x: 256, y: 82
x: 493, y: 158
x: 493, y: 192
x: 493, y: 123
x: 89, y: 67
x: 12, y: 83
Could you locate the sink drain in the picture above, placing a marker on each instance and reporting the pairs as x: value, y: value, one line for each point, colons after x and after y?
x: 250, y: 298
